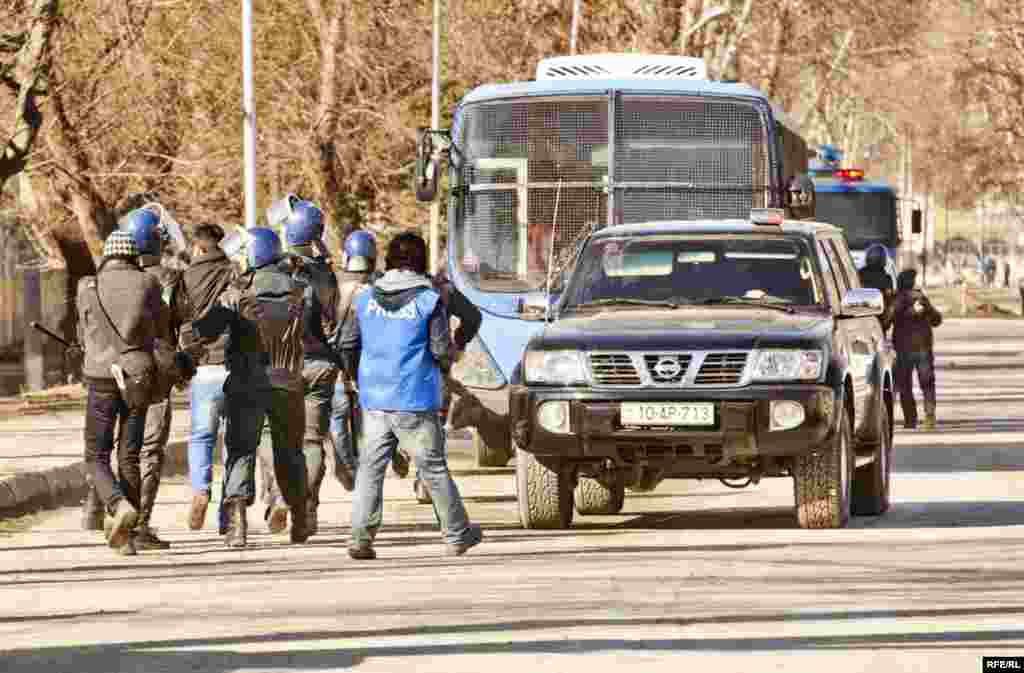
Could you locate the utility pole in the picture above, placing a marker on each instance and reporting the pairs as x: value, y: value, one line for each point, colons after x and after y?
x: 249, y: 112
x: 435, y: 123
x: 574, y: 30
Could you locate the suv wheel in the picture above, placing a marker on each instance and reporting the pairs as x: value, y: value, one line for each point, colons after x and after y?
x: 871, y: 481
x: 489, y: 456
x: 597, y: 496
x: 822, y: 482
x: 543, y: 492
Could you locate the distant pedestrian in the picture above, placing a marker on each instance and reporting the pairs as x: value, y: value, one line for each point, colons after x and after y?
x: 913, y: 317
x: 1006, y: 274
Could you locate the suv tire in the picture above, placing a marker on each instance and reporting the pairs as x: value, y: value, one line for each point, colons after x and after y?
x: 543, y: 492
x: 822, y: 481
x: 597, y: 496
x: 489, y: 456
x: 871, y: 481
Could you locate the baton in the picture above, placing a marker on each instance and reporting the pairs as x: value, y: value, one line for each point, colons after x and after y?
x: 50, y: 334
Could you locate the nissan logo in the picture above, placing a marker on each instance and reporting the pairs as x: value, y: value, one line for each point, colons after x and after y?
x: 667, y: 368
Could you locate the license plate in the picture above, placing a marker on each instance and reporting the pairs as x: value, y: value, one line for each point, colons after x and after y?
x: 668, y: 413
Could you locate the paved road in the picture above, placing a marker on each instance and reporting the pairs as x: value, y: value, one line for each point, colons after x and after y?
x: 690, y: 577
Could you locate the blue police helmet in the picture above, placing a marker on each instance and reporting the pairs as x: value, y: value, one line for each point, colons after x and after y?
x: 360, y: 251
x: 263, y: 248
x: 305, y: 224
x: 144, y: 226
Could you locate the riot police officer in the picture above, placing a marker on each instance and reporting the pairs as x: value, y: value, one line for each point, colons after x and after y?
x: 360, y: 258
x: 120, y: 318
x: 304, y: 230
x: 263, y: 310
x: 144, y: 225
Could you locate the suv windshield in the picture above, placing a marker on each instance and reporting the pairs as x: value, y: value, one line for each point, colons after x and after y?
x: 658, y: 270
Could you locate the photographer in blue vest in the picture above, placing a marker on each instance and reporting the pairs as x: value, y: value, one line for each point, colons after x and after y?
x: 396, y: 343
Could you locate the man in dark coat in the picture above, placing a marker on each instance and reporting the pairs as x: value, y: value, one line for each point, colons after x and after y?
x: 913, y: 317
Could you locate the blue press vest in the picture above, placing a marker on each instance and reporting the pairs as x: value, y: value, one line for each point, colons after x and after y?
x: 397, y: 371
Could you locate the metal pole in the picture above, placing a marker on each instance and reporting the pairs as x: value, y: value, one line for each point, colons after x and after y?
x: 574, y: 31
x: 249, y: 112
x: 435, y: 122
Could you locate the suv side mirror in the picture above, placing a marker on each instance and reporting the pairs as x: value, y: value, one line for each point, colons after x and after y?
x: 799, y: 198
x: 426, y: 166
x: 862, y: 302
x: 915, y: 221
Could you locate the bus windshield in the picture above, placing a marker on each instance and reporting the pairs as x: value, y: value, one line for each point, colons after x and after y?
x: 537, y: 173
x: 865, y: 217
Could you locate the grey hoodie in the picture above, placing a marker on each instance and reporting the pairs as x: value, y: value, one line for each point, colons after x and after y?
x: 393, y: 290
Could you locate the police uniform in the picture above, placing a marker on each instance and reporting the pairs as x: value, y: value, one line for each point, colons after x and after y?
x: 319, y: 374
x: 263, y: 313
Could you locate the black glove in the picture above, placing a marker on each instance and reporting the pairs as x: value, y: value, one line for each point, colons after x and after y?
x: 74, y: 358
x: 186, y: 367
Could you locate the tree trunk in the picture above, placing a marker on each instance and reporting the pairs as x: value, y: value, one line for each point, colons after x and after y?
x: 325, y: 125
x: 73, y: 183
x: 780, y: 33
x: 30, y: 69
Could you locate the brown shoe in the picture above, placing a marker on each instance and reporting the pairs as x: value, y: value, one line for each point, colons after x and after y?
x: 277, y: 519
x: 238, y: 525
x: 121, y: 524
x: 197, y: 512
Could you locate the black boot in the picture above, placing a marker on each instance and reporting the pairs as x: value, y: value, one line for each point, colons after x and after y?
x: 238, y: 525
x: 300, y: 524
x: 145, y: 537
x: 92, y: 510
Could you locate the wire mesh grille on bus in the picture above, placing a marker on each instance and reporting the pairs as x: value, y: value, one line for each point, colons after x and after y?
x: 675, y: 158
x: 524, y: 158
x: 688, y: 158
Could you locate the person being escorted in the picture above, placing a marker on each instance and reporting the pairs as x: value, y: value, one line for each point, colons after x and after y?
x: 396, y: 342
x: 360, y: 257
x: 913, y: 317
x: 262, y: 312
x: 144, y: 226
x: 202, y: 284
x: 304, y: 229
x: 120, y: 316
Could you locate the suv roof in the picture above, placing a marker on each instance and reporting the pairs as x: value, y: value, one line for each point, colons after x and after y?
x: 800, y: 227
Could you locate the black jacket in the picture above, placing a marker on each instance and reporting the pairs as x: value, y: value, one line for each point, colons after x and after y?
x: 199, y: 290
x: 912, y: 328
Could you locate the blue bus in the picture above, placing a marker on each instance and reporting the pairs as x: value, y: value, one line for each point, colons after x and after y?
x: 866, y: 210
x: 534, y: 167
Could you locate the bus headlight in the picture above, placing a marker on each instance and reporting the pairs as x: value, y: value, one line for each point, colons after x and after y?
x: 788, y: 365
x: 563, y: 368
x: 477, y: 368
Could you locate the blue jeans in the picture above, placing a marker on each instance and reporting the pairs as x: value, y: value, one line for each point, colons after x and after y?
x: 380, y: 435
x: 206, y: 399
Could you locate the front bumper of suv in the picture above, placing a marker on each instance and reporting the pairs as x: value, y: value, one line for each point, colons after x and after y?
x: 741, y: 430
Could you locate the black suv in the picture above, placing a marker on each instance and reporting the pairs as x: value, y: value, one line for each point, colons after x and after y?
x: 730, y: 349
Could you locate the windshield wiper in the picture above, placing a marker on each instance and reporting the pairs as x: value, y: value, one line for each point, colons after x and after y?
x: 740, y: 301
x: 626, y: 301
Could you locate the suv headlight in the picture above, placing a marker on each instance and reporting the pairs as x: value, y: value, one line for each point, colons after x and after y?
x: 477, y: 368
x: 788, y: 365
x: 563, y: 368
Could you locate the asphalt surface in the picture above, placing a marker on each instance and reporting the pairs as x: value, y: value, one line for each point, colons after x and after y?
x: 693, y: 576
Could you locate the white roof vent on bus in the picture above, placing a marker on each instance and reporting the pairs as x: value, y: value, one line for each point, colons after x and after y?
x: 629, y: 66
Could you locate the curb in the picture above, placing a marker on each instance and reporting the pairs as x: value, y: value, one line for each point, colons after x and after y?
x: 66, y: 486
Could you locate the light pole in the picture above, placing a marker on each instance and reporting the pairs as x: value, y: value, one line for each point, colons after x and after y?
x: 709, y: 15
x: 575, y: 28
x: 435, y: 122
x: 249, y: 117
